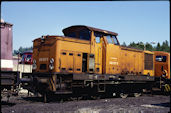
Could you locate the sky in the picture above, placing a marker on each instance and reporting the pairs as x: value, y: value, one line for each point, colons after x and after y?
x: 138, y: 21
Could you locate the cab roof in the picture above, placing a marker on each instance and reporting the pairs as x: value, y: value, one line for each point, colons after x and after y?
x: 89, y: 28
x: 161, y: 52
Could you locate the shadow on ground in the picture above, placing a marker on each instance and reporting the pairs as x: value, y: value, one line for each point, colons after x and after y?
x: 7, y: 103
x: 163, y: 104
x: 33, y: 99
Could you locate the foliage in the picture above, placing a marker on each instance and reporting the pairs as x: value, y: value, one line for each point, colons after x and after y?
x: 22, y: 49
x: 124, y: 44
x: 148, y: 46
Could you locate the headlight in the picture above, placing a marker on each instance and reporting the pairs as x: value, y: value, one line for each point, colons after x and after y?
x: 34, y: 66
x: 34, y: 61
x: 51, y: 65
x: 51, y: 60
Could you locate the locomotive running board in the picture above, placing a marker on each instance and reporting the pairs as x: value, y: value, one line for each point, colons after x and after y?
x: 113, y: 77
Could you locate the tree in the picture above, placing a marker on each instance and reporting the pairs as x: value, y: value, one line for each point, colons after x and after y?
x: 140, y: 45
x: 149, y: 46
x: 165, y: 46
x: 124, y: 44
x: 158, y: 48
x: 132, y: 44
x: 21, y: 50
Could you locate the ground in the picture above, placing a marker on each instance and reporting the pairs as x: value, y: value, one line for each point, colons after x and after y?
x: 144, y: 104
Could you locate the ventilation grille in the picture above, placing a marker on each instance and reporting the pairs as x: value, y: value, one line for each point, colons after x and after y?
x: 148, y: 62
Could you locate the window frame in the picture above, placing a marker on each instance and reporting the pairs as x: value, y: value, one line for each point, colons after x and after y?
x: 116, y: 40
x: 110, y: 38
x: 99, y: 35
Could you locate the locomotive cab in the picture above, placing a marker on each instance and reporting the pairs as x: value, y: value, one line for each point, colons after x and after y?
x: 100, y: 41
x: 162, y: 64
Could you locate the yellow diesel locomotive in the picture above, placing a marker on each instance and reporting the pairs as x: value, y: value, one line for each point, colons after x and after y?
x: 89, y: 61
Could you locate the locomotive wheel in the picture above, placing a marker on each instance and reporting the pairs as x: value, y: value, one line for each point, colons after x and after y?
x: 123, y: 95
x: 95, y: 97
x: 137, y: 94
x: 61, y: 100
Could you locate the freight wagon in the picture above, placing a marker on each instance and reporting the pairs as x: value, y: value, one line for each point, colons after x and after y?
x: 9, y: 78
x: 89, y: 61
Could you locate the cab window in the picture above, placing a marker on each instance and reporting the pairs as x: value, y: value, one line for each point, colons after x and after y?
x: 23, y: 57
x: 29, y: 57
x: 84, y: 34
x: 115, y: 40
x: 71, y: 34
x: 161, y: 58
x: 109, y: 39
x: 97, y: 37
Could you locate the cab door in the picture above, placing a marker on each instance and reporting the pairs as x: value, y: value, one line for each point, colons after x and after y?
x: 98, y: 53
x: 112, y: 55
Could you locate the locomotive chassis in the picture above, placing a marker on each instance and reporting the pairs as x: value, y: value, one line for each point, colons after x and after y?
x: 76, y: 85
